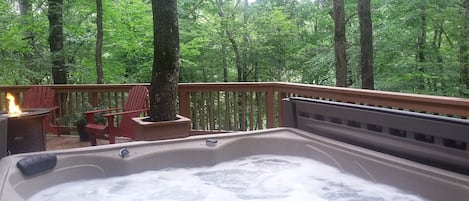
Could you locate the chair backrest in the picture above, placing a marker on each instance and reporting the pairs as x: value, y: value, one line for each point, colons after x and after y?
x: 136, y: 100
x: 39, y: 97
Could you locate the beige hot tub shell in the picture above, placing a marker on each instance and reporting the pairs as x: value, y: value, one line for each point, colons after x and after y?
x: 104, y: 161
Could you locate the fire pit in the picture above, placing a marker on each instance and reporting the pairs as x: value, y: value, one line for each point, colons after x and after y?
x: 25, y: 132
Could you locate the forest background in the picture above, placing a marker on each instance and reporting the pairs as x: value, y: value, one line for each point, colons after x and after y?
x: 418, y: 46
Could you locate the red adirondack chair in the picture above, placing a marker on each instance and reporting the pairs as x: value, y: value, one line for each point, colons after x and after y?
x: 136, y: 104
x: 42, y: 97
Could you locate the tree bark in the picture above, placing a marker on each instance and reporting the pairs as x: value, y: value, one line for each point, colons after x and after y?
x: 28, y: 36
x: 436, y: 44
x: 340, y: 43
x: 99, y: 42
x: 232, y: 40
x: 225, y: 63
x: 464, y: 47
x: 421, y: 45
x: 246, y: 40
x: 165, y: 74
x: 366, y: 44
x: 56, y: 38
x: 421, y: 40
x: 25, y: 11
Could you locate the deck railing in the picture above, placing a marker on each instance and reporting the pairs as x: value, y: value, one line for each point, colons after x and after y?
x: 220, y: 107
x: 75, y: 99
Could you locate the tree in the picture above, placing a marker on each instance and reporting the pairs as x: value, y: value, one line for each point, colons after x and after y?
x: 366, y: 44
x: 56, y: 41
x: 99, y: 42
x: 421, y: 44
x: 340, y: 44
x: 242, y: 72
x: 26, y: 15
x: 165, y: 71
x: 464, y: 47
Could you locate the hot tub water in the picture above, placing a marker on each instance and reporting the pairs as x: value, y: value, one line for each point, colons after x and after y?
x: 261, y: 177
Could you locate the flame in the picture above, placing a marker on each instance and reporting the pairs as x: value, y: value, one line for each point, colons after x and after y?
x: 12, y: 107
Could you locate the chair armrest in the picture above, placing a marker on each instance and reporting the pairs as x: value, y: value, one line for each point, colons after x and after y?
x: 110, y: 115
x: 55, y: 121
x: 101, y: 110
x: 54, y: 111
x: 89, y: 115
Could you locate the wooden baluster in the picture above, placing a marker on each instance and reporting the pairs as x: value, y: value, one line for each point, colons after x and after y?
x: 218, y: 110
x: 270, y: 107
x: 227, y: 110
x: 235, y: 110
x: 259, y: 110
x: 203, y: 113
x: 196, y: 111
x: 210, y: 111
x: 243, y: 110
x: 251, y: 110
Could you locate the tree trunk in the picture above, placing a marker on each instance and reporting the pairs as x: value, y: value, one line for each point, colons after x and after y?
x: 436, y: 44
x: 421, y: 43
x: 232, y: 40
x: 99, y: 42
x: 25, y: 11
x: 247, y: 43
x: 239, y: 65
x: 340, y: 43
x: 225, y: 63
x: 56, y: 38
x: 28, y: 36
x: 421, y: 40
x: 366, y: 44
x: 165, y: 74
x: 464, y: 47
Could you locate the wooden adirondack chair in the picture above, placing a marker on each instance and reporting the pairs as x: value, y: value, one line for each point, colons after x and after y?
x: 136, y: 103
x: 42, y: 97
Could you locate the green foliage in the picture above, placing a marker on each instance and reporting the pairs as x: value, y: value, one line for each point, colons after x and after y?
x: 277, y: 40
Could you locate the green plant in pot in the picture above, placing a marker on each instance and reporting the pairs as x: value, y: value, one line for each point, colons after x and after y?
x: 80, y: 123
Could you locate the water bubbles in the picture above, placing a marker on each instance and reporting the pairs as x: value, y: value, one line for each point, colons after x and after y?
x: 254, y: 178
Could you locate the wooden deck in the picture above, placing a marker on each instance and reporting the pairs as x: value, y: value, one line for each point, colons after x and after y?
x: 72, y: 141
x: 53, y: 142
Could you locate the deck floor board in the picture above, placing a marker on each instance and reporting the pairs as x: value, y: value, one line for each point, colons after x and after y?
x: 54, y: 142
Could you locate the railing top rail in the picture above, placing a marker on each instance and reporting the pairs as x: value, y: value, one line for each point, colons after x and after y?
x: 369, y: 93
x: 73, y: 87
x: 231, y: 86
x: 422, y: 103
x: 348, y: 93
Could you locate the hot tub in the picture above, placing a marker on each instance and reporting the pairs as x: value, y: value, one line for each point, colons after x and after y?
x: 444, y: 180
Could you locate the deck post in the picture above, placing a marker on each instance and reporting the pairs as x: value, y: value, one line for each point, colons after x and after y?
x: 184, y: 103
x: 270, y: 106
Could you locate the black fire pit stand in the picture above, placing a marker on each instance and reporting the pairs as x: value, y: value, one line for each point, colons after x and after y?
x: 3, y: 137
x: 26, y: 131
